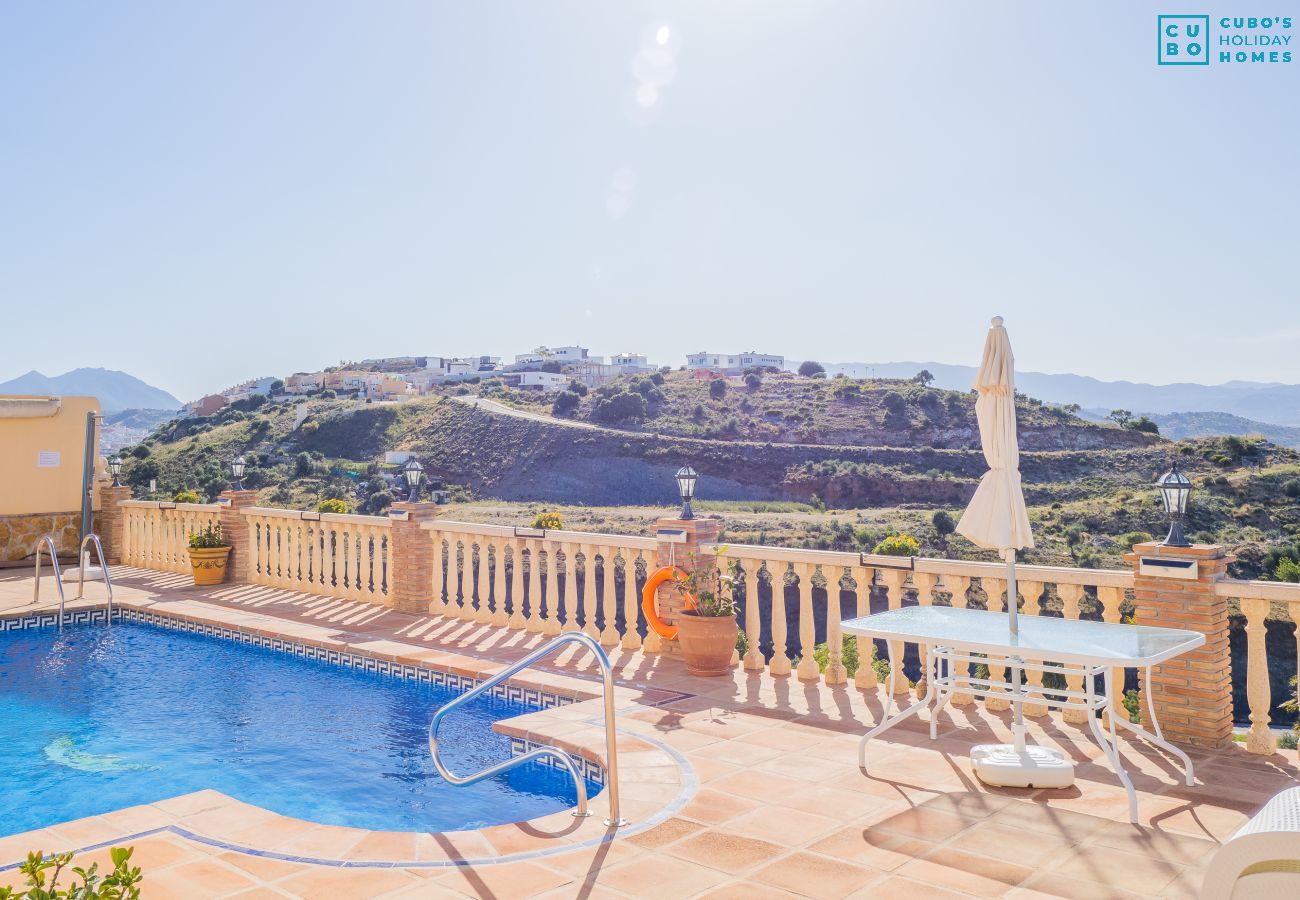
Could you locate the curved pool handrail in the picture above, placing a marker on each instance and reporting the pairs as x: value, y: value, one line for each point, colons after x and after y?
x: 103, y: 566
x: 44, y: 542
x: 564, y: 759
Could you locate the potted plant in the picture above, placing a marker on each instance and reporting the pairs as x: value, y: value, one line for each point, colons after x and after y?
x: 208, y: 552
x: 706, y: 629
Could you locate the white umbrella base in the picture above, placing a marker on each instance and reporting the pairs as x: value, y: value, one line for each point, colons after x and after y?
x: 1001, y: 765
x: 93, y: 573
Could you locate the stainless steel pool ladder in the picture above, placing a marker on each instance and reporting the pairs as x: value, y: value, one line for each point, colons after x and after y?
x: 564, y: 759
x: 48, y: 541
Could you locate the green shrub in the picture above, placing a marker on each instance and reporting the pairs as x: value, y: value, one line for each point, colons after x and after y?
x: 718, y: 388
x: 565, y: 403
x: 811, y: 369
x: 302, y: 464
x: 333, y: 505
x: 1290, y: 488
x: 186, y: 496
x: 42, y: 884
x: 1130, y: 538
x: 1287, y: 570
x: 898, y: 545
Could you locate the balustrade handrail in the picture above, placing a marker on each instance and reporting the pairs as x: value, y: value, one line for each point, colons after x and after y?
x: 272, y: 512
x: 169, y: 505
x: 557, y: 535
x: 1279, y: 591
x: 925, y: 565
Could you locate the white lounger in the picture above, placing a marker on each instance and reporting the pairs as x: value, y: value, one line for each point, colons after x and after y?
x: 1262, y: 860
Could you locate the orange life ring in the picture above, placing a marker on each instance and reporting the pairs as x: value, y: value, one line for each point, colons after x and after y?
x: 650, y: 600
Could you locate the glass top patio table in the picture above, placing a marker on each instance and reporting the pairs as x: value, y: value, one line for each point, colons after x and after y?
x: 1041, y: 638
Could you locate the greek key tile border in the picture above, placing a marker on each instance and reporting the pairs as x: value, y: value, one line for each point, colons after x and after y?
x: 592, y: 771
x: 511, y: 693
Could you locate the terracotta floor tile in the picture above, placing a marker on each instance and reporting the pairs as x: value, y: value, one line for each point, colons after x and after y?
x: 1054, y: 884
x: 262, y: 868
x: 658, y: 876
x: 816, y: 876
x: 732, y: 853
x: 877, y: 849
x: 714, y: 807
x: 1116, y: 868
x: 744, y: 890
x: 665, y: 833
x: 894, y: 888
x: 1015, y: 845
x: 519, y: 879
x: 923, y: 823
x: 197, y: 879
x: 784, y: 827
x: 331, y: 881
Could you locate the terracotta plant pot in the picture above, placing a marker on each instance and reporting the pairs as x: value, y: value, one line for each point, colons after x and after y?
x: 209, y: 564
x: 707, y: 642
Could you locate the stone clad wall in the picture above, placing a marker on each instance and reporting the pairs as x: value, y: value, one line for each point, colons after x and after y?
x: 20, y: 534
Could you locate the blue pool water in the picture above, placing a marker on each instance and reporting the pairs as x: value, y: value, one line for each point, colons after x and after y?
x: 96, y: 719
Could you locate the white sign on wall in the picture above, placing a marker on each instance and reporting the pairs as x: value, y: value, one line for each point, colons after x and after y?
x: 47, y: 459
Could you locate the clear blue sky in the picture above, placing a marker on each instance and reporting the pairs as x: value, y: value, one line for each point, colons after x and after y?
x: 201, y: 192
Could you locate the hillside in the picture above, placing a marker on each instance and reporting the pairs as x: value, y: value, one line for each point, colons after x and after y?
x: 1275, y: 403
x: 1085, y: 501
x: 1210, y: 424
x: 117, y: 391
x: 790, y: 409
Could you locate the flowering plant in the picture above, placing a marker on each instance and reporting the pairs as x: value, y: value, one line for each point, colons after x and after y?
x: 712, y: 588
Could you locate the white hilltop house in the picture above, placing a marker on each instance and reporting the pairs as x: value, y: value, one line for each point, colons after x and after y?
x: 733, y: 363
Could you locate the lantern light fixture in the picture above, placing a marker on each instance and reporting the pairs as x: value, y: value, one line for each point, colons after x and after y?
x: 686, y: 479
x: 1175, y: 488
x: 237, y: 467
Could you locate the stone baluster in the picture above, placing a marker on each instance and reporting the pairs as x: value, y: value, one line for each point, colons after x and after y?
x: 994, y: 701
x: 753, y: 618
x: 959, y: 585
x: 780, y: 662
x: 483, y: 583
x: 500, y: 618
x: 437, y: 580
x: 807, y: 669
x: 1259, y: 739
x: 553, y: 611
x: 586, y: 604
x: 1032, y: 591
x: 836, y: 673
x: 631, y: 601
x: 893, y: 580
x: 517, y: 619
x: 1070, y: 595
x: 609, y: 636
x: 924, y: 583
x: 865, y: 676
x: 1111, y: 598
x: 533, y: 616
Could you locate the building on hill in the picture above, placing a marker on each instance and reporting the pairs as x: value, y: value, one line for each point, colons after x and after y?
x: 206, y: 406
x: 543, y: 381
x: 346, y: 380
x: 564, y: 356
x: 631, y: 364
x: 394, y: 363
x: 246, y: 389
x: 388, y: 386
x: 733, y: 364
x: 304, y: 382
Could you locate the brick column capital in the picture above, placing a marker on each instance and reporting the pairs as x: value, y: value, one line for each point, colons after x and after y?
x: 234, y: 528
x: 112, y: 520
x: 1191, y: 694
x: 413, y: 550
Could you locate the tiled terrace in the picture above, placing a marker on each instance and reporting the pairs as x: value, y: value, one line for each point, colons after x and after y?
x: 769, y: 801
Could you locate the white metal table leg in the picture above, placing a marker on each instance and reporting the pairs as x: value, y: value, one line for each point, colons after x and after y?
x: 1189, y: 772
x: 1110, y: 747
x: 890, y: 721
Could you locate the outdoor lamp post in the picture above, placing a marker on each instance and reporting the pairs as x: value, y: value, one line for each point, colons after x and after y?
x: 414, y: 472
x: 1174, y: 489
x: 237, y: 467
x: 115, y: 468
x: 686, y: 478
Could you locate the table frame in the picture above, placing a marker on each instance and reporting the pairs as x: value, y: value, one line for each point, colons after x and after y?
x: 953, y: 676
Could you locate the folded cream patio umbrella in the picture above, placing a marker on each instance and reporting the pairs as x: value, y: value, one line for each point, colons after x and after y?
x: 996, y: 519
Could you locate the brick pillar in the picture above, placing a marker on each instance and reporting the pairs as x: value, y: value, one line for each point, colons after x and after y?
x: 1192, y: 693
x: 687, y: 557
x: 234, y: 528
x: 110, y: 520
x: 411, y: 587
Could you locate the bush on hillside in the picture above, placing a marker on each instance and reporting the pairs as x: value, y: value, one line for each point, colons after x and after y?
x: 333, y: 505
x: 549, y: 520
x: 627, y: 406
x: 186, y: 497
x: 565, y: 403
x: 718, y: 388
x: 811, y: 369
x: 898, y: 545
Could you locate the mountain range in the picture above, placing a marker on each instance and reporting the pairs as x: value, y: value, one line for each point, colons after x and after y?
x: 116, y: 391
x: 1272, y: 403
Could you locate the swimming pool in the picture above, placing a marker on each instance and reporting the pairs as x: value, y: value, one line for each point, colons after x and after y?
x: 96, y: 719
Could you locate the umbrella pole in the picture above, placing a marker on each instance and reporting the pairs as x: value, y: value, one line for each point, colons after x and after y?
x: 1017, y: 674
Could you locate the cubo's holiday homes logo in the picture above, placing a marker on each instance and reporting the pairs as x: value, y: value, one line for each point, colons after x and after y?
x: 1186, y: 40
x: 1182, y: 40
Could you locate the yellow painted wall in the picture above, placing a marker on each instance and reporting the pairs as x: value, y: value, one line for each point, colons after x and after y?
x: 25, y: 486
